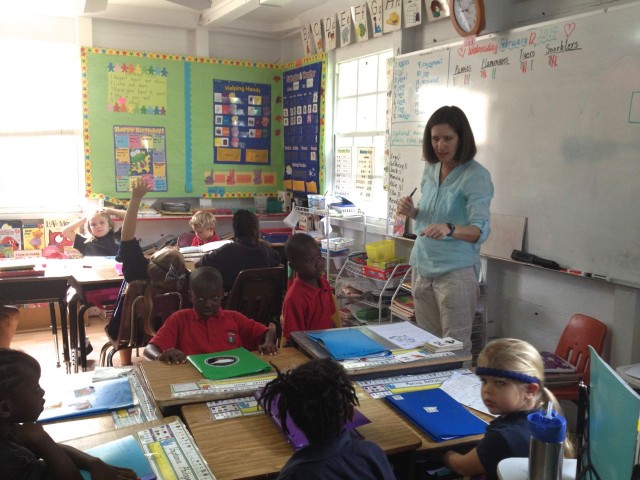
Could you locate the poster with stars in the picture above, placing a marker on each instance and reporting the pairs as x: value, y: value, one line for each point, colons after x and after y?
x: 303, y: 119
x: 164, y: 117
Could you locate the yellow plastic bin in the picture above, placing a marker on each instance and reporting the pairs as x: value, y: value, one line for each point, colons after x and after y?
x: 381, y: 251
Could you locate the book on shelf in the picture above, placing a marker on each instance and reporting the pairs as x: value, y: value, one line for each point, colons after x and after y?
x: 11, y: 236
x: 32, y: 234
x: 446, y: 344
x: 53, y: 228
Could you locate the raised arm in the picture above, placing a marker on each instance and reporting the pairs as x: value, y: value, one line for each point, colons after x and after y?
x: 70, y: 230
x: 116, y: 212
x: 138, y: 190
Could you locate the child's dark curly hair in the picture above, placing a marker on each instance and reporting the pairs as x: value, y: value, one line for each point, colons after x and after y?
x: 246, y: 224
x: 318, y: 396
x: 15, y: 365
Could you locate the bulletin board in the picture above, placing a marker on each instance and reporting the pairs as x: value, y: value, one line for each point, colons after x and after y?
x: 303, y: 119
x: 192, y: 127
x: 555, y: 110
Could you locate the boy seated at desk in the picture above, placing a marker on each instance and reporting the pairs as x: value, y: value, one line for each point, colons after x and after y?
x: 320, y: 399
x: 309, y: 303
x: 203, y: 224
x: 207, y: 328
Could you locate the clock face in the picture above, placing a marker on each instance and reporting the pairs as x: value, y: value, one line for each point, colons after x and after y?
x: 466, y: 14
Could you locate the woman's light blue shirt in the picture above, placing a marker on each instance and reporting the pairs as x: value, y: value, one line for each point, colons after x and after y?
x: 463, y: 198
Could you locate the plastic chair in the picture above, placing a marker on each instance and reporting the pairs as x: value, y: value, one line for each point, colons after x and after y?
x: 185, y: 239
x: 580, y: 332
x: 258, y: 294
x: 163, y: 305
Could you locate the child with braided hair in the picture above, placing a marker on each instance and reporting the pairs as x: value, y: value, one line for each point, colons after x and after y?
x: 512, y: 375
x: 320, y: 399
x: 26, y: 450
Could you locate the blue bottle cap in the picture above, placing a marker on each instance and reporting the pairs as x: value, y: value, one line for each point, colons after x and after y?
x: 545, y: 429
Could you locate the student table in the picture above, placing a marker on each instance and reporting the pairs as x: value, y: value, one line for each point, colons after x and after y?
x: 158, y: 378
x: 432, y: 363
x: 84, y: 279
x: 50, y: 288
x: 254, y: 447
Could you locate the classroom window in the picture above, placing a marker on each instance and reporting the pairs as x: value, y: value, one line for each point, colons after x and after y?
x: 360, y: 121
x: 40, y: 127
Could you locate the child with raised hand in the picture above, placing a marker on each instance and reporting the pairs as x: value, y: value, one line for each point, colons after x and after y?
x: 207, y: 328
x: 309, y: 303
x: 164, y: 272
x: 512, y: 375
x: 26, y: 450
x: 320, y: 399
x: 203, y: 225
x: 102, y: 239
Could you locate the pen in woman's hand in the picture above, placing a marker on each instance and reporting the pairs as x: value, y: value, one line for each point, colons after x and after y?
x: 414, y: 191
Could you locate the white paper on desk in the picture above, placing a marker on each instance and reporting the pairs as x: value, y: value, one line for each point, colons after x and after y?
x: 404, y: 334
x: 109, y: 373
x: 292, y: 219
x: 633, y: 371
x: 207, y: 247
x: 466, y: 390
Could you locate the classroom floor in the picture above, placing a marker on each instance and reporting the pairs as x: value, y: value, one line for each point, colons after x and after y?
x: 39, y: 344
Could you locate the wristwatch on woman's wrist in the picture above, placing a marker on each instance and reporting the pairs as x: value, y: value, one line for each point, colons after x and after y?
x: 452, y: 228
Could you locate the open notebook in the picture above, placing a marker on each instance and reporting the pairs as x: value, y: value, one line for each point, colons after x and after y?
x: 228, y: 364
x: 296, y: 437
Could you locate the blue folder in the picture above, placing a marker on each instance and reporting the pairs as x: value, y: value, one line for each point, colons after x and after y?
x: 348, y: 343
x: 91, y: 399
x: 124, y: 452
x: 438, y: 414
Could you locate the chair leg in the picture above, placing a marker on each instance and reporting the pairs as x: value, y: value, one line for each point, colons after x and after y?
x: 103, y: 354
x: 110, y: 355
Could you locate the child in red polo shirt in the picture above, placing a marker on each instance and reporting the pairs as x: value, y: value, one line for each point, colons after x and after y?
x: 309, y: 303
x: 207, y: 328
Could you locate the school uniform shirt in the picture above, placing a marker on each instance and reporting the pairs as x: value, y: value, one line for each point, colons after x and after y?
x: 337, y: 459
x: 242, y: 254
x: 306, y: 307
x: 106, y: 246
x: 17, y: 461
x: 196, y: 242
x: 507, y: 436
x: 462, y: 199
x: 192, y: 334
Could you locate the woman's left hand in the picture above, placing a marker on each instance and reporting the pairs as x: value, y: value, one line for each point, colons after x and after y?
x: 437, y: 231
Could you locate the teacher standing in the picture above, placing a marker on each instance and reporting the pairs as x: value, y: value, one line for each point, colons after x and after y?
x: 452, y: 218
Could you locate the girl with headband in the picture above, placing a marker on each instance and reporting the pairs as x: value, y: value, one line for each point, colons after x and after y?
x: 512, y: 375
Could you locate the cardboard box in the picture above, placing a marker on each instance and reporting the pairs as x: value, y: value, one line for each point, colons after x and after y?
x: 306, y: 223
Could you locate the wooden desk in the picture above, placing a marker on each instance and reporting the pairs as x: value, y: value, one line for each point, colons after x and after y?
x: 86, y: 277
x: 254, y: 447
x: 158, y: 378
x: 434, y: 363
x: 50, y: 288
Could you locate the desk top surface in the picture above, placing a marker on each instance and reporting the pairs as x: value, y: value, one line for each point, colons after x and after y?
x: 433, y: 362
x: 269, y: 450
x: 159, y: 377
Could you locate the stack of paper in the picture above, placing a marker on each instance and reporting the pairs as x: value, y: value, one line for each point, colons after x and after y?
x: 403, y: 307
x: 446, y: 344
x: 559, y: 372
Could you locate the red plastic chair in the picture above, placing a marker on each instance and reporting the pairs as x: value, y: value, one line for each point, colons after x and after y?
x: 580, y: 332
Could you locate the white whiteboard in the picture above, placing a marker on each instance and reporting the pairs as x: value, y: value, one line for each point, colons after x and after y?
x: 555, y: 110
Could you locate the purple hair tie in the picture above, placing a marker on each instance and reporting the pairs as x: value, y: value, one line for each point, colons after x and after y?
x: 497, y: 372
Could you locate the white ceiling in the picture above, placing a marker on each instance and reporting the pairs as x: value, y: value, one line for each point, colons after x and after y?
x: 252, y: 17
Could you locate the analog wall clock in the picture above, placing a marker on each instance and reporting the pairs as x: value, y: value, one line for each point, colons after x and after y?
x: 467, y: 16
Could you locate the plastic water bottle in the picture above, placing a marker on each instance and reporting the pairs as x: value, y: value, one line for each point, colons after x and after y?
x: 548, y: 432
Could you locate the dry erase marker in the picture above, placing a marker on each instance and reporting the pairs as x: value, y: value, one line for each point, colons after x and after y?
x: 414, y: 191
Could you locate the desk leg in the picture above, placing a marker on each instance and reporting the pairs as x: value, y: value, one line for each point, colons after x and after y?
x: 54, y: 331
x: 82, y: 343
x: 73, y: 332
x: 65, y: 333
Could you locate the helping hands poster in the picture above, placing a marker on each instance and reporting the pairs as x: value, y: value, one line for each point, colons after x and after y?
x: 191, y: 127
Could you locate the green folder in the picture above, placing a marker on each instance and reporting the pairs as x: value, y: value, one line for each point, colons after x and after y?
x: 228, y: 364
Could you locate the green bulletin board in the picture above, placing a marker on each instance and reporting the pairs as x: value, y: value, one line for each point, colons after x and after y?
x: 157, y: 116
